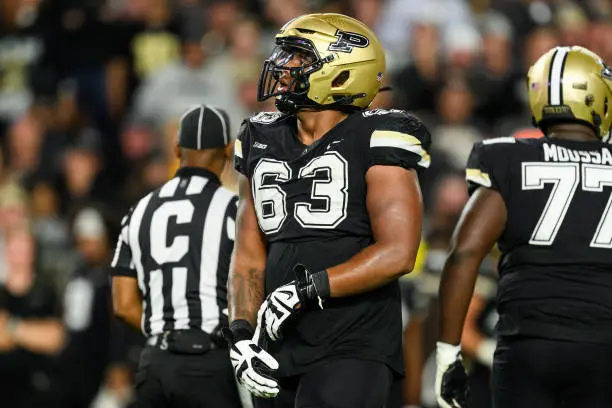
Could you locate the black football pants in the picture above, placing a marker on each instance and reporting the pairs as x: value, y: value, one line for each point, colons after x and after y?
x: 480, y: 386
x: 344, y: 383
x: 168, y: 380
x: 543, y: 373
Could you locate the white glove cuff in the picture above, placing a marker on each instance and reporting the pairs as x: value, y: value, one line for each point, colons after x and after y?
x: 447, y: 354
x: 485, y: 352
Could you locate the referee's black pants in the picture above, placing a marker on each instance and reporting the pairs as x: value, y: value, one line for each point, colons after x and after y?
x: 545, y: 373
x: 169, y: 380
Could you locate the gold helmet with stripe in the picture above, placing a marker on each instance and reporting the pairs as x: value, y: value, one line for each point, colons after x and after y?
x: 323, y: 61
x: 571, y: 84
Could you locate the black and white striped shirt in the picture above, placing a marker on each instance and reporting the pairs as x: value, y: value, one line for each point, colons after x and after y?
x: 177, y: 241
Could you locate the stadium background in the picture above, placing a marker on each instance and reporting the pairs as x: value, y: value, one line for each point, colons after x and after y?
x: 91, y: 90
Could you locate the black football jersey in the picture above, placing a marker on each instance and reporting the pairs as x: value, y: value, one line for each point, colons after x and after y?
x: 310, y: 203
x: 556, y: 264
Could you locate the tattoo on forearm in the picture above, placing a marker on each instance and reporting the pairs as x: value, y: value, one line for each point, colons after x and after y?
x: 247, y: 293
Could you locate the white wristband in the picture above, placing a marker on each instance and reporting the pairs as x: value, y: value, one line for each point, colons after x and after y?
x: 447, y: 354
x: 485, y: 352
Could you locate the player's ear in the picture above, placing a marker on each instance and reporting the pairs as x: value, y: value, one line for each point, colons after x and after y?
x: 229, y: 150
x: 177, y: 151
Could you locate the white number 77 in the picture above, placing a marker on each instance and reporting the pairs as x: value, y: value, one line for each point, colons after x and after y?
x: 565, y: 177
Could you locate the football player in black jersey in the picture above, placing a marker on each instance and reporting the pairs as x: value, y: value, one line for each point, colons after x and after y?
x: 547, y: 203
x: 330, y: 217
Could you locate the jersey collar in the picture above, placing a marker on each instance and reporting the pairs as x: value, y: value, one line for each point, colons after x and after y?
x: 197, y: 171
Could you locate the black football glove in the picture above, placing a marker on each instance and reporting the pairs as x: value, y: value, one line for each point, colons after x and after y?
x: 306, y: 291
x: 452, y: 389
x: 253, y: 365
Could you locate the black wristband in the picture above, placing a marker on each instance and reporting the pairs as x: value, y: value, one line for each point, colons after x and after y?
x: 241, y: 330
x: 320, y: 280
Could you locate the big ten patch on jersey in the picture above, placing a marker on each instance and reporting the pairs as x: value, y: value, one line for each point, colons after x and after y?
x: 317, y: 191
x: 557, y: 193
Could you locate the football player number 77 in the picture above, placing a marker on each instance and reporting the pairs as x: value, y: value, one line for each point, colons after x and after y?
x: 566, y: 177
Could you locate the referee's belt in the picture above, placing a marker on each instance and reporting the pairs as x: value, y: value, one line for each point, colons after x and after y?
x: 190, y: 341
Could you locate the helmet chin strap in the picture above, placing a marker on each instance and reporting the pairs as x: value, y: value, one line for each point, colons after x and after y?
x: 285, y: 104
x: 288, y: 105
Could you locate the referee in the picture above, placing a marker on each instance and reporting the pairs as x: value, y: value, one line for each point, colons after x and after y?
x: 170, y: 273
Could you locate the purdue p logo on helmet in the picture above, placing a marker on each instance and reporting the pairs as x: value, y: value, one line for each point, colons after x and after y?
x: 347, y: 41
x: 571, y: 84
x: 323, y: 61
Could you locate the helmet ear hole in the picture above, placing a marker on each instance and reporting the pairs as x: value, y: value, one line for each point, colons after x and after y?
x: 341, y: 79
x: 605, y: 110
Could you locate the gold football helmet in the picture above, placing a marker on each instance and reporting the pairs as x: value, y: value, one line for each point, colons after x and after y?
x: 571, y: 84
x: 323, y: 61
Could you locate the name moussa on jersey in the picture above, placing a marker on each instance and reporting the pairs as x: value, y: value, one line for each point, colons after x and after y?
x: 310, y: 203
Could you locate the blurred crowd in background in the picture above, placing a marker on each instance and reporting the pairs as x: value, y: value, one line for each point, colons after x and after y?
x: 90, y: 95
